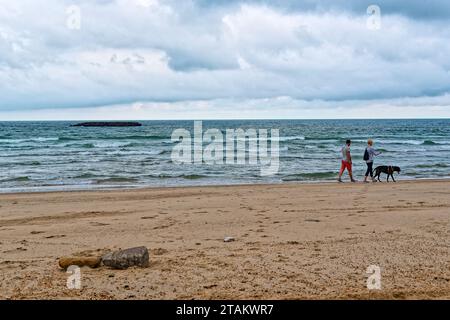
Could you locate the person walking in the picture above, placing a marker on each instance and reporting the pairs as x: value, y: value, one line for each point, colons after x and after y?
x: 369, y: 154
x: 346, y: 162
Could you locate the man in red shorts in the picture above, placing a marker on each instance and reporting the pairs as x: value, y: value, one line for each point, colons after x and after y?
x: 346, y: 162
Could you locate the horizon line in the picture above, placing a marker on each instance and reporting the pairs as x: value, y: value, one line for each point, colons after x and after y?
x: 217, y: 119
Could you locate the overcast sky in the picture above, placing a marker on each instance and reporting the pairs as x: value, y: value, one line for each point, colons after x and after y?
x: 199, y: 59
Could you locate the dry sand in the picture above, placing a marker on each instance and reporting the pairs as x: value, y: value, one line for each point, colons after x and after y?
x: 293, y: 241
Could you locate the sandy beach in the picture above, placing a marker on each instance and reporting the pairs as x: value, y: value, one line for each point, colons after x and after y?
x: 292, y: 241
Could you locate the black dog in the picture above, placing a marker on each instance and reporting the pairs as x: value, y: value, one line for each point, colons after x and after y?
x: 389, y: 170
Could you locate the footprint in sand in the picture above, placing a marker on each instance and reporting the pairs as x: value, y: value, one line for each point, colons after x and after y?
x: 56, y: 236
x: 20, y: 249
x: 37, y: 232
x: 148, y: 217
x: 98, y: 224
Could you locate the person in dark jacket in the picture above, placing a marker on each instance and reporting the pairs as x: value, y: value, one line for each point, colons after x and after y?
x: 371, y: 152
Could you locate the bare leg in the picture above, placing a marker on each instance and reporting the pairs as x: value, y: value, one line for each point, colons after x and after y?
x: 341, y: 172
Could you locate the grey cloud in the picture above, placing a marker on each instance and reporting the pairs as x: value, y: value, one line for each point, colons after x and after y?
x: 197, y: 50
x: 417, y: 9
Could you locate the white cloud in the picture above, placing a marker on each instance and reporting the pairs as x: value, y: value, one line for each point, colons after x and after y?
x: 285, y: 108
x: 154, y: 51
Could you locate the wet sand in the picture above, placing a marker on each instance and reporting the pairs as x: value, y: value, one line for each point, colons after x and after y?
x: 292, y: 241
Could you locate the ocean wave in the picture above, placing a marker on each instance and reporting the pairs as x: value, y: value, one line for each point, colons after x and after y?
x: 133, y: 145
x: 16, y: 179
x: 26, y: 163
x: 37, y: 139
x: 429, y: 143
x: 379, y: 141
x: 183, y: 176
x: 116, y: 180
x: 86, y: 176
x: 109, y: 137
x: 326, y: 138
x: 124, y: 152
x: 99, y: 158
x: 410, y: 173
x: 69, y: 139
x: 414, y: 142
x: 310, y: 176
x: 432, y: 165
x: 137, y: 137
x: 280, y: 139
x: 338, y: 141
x: 193, y: 176
x: 80, y: 145
x: 291, y: 138
x: 159, y: 176
x: 410, y: 142
x: 108, y: 144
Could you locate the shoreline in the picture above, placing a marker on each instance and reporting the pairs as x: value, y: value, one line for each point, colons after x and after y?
x: 292, y: 241
x: 146, y: 187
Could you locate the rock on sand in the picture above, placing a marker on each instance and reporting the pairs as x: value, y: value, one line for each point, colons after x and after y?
x: 124, y: 259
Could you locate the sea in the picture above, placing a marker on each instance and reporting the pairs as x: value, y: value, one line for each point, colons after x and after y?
x: 53, y: 155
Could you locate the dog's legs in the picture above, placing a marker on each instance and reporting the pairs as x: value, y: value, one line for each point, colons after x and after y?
x: 376, y: 176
